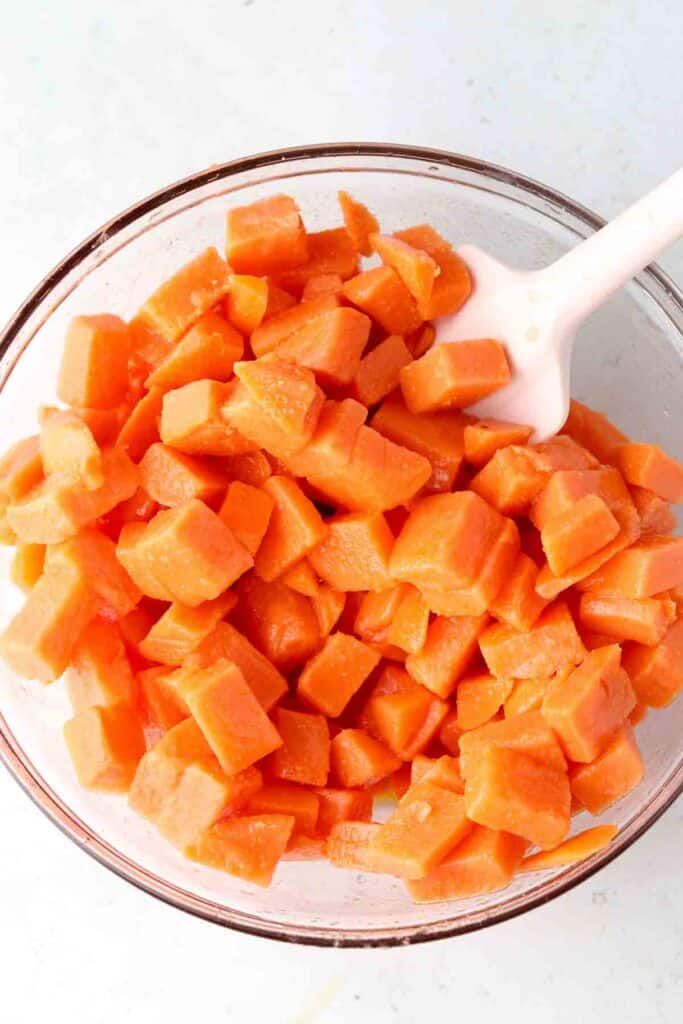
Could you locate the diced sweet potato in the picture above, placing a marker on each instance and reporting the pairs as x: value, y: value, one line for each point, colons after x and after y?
x: 526, y: 733
x: 246, y: 303
x: 246, y: 510
x: 655, y: 515
x: 378, y: 372
x: 288, y: 798
x: 94, y: 367
x: 105, y: 745
x: 415, y: 267
x: 202, y: 795
x: 172, y: 478
x: 587, y: 707
x: 594, y: 431
x: 21, y: 469
x: 579, y: 847
x: 329, y: 252
x: 279, y: 622
x: 437, y: 436
x: 248, y: 847
x: 571, y: 537
x: 646, y: 465
x: 448, y: 650
x: 649, y: 567
x: 644, y: 620
x: 355, y: 553
x: 454, y: 375
x: 357, y: 759
x: 209, y: 350
x: 359, y: 222
x: 484, y: 861
x: 93, y: 555
x: 483, y: 439
x: 141, y: 427
x: 338, y: 805
x: 184, y: 298
x: 27, y: 565
x: 180, y: 630
x: 381, y: 294
x: 657, y: 672
x: 99, y: 671
x: 549, y: 645
x: 517, y: 602
x: 332, y: 676
x: 304, y: 756
x: 453, y: 285
x: 512, y: 478
x: 266, y: 683
x: 265, y: 236
x: 295, y: 528
x: 479, y: 698
x: 192, y: 421
x: 68, y: 449
x: 347, y: 845
x: 330, y: 344
x: 617, y: 770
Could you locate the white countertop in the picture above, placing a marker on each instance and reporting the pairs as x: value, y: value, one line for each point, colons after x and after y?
x: 98, y: 109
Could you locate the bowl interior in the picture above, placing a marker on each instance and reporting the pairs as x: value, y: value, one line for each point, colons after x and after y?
x: 628, y: 362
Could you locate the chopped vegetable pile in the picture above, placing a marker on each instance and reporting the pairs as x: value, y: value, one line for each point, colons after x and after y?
x: 282, y: 571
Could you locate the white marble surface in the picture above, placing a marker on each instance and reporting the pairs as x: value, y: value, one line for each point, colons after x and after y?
x: 102, y: 104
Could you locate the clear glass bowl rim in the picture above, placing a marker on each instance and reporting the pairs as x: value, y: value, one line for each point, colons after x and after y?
x: 659, y: 286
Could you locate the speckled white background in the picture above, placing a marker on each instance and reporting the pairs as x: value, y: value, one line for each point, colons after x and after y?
x: 100, y: 104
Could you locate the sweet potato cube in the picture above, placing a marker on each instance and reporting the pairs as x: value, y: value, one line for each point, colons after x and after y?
x: 105, y: 745
x: 332, y: 676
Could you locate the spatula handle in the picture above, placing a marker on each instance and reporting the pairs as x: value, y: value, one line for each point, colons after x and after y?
x: 587, y: 275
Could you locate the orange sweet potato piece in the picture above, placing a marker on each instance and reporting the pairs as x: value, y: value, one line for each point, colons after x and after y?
x: 141, y: 427
x: 288, y: 798
x: 266, y: 683
x: 445, y: 540
x: 577, y: 848
x: 613, y: 774
x: 512, y: 478
x: 594, y: 431
x: 329, y: 252
x: 378, y: 372
x: 278, y: 327
x: 526, y: 695
x: 450, y: 733
x: 479, y: 697
x: 57, y: 508
x: 646, y: 465
x: 333, y: 441
x: 358, y: 221
x: 278, y: 300
x: 39, y: 640
x: 655, y: 515
x: 160, y: 770
x: 408, y: 627
x: 246, y: 303
x: 453, y: 284
x: 105, y: 745
x: 587, y: 707
x: 381, y: 294
x: 527, y: 733
x: 357, y: 759
x: 549, y: 645
x: 426, y: 825
x: 650, y: 566
x: 513, y: 792
x: 192, y: 421
x: 566, y: 487
x: 377, y: 474
x: 248, y: 847
x: 265, y: 236
x: 449, y: 648
x: 644, y: 620
x: 276, y: 406
x: 454, y: 375
x: 549, y: 586
x: 347, y: 845
x: 68, y: 448
x: 406, y: 721
x: 251, y: 468
x: 304, y: 756
x: 27, y: 566
x: 330, y: 344
x: 162, y: 705
x: 172, y: 478
x: 415, y: 267
x: 376, y: 612
x: 355, y: 553
x: 246, y: 510
x: 21, y: 469
x: 476, y: 598
x: 183, y: 298
x: 483, y: 439
x: 187, y: 550
x: 202, y: 796
x: 99, y: 672
x: 517, y: 602
x: 657, y: 672
x: 93, y: 555
x: 484, y: 861
x: 279, y: 622
x: 437, y: 436
x: 180, y: 630
x: 302, y: 578
x: 301, y: 847
x: 338, y: 805
x: 208, y: 351
x: 441, y: 771
x: 322, y: 284
x: 331, y: 677
x: 94, y: 367
x: 295, y: 528
x: 571, y: 537
x: 233, y: 722
x: 328, y: 605
x: 563, y: 453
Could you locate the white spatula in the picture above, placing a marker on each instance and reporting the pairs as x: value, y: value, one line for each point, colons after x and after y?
x: 536, y: 313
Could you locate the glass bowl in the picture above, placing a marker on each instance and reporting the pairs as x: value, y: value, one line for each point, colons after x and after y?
x: 628, y: 362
